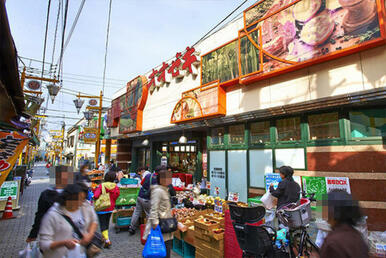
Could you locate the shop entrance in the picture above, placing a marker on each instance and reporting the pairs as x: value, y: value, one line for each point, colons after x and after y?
x: 143, y: 155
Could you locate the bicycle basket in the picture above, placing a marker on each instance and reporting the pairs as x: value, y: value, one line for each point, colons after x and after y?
x: 295, y: 216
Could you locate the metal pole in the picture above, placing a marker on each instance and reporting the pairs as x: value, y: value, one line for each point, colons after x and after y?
x: 98, y: 142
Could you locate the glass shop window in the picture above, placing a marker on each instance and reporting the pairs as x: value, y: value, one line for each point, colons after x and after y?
x: 368, y: 123
x: 324, y: 126
x: 217, y: 137
x: 236, y: 134
x: 260, y: 132
x: 288, y: 129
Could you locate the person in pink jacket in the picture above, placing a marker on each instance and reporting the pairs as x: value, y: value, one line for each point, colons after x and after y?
x: 104, y: 216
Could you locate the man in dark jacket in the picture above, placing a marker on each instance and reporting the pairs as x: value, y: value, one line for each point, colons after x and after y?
x: 143, y: 200
x: 288, y: 191
x: 47, y: 199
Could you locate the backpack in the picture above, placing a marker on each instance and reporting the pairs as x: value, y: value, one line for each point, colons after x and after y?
x: 148, y: 191
x: 103, y: 202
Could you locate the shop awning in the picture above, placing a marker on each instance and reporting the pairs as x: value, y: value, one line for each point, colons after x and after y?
x: 11, y: 93
x: 374, y: 96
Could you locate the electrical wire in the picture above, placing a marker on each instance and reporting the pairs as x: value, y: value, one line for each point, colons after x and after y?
x: 60, y: 62
x: 56, y: 32
x: 74, y: 25
x: 46, y: 33
x: 106, y: 47
x: 238, y: 7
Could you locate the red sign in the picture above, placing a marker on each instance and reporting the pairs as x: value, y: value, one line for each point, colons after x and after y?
x: 93, y: 102
x: 189, y: 64
x: 33, y: 85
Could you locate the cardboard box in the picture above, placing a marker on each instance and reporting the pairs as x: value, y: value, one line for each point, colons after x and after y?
x: 211, y: 244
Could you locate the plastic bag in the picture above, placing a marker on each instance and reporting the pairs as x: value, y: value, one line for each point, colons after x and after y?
x: 27, y: 252
x: 155, y: 245
x: 77, y: 252
x: 31, y: 251
x: 268, y: 200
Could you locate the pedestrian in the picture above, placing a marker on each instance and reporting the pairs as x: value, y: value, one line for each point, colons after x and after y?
x: 104, y: 216
x: 344, y: 241
x: 160, y: 206
x: 82, y: 176
x: 47, y: 198
x: 48, y: 166
x: 143, y: 201
x: 138, y: 174
x: 57, y: 236
x: 288, y: 191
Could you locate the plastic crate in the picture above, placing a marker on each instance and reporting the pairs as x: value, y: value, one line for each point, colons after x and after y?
x: 129, y: 181
x: 127, y: 196
x: 178, y: 246
x: 123, y: 221
x: 188, y: 250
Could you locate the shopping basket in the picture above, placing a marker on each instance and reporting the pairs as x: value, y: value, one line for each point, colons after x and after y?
x: 294, y: 215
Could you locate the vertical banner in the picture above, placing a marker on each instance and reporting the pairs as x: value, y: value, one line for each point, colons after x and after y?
x: 11, y: 145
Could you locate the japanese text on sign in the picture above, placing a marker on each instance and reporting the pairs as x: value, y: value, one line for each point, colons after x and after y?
x: 176, y: 69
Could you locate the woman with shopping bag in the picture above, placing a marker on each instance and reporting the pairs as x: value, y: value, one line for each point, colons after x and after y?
x: 288, y: 191
x: 105, y: 196
x: 160, y: 217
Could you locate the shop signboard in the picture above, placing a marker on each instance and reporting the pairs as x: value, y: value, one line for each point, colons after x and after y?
x: 184, y: 64
x: 316, y: 185
x: 8, y: 188
x: 272, y: 178
x: 90, y: 135
x: 338, y: 183
x: 201, y: 102
x: 282, y: 36
x: 11, y: 145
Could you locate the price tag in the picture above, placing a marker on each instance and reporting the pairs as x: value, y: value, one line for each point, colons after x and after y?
x: 234, y: 197
x: 208, y: 185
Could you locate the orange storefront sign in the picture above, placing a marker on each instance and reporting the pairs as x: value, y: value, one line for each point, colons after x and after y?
x: 11, y: 145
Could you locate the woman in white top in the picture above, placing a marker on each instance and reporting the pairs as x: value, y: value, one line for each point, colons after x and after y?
x: 56, y: 235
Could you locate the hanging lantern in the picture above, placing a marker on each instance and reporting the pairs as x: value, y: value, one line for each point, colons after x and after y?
x: 78, y: 104
x: 53, y: 90
x: 183, y: 139
x: 88, y: 115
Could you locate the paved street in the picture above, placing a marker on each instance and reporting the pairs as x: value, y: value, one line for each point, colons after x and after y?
x: 15, y: 231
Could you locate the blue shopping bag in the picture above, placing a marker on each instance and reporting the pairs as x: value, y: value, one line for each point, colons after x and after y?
x: 155, y: 245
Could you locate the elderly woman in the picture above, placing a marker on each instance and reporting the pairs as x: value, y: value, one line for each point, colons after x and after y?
x: 160, y: 207
x: 56, y: 234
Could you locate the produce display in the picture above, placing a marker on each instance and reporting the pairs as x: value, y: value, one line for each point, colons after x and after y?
x: 184, y: 213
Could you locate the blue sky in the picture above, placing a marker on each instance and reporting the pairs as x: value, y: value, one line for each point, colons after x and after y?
x: 143, y: 33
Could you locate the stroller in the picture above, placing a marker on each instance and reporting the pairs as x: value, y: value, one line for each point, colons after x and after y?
x: 254, y: 241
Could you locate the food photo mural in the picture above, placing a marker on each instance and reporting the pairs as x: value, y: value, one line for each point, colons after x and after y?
x: 128, y: 122
x: 221, y: 64
x: 296, y: 31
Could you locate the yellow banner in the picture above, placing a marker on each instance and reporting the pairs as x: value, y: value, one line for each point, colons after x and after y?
x: 90, y: 135
x: 11, y: 145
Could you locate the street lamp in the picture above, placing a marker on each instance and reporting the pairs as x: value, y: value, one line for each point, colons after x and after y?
x: 78, y: 104
x: 53, y: 90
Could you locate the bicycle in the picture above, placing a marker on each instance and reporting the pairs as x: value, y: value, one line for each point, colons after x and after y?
x: 297, y: 219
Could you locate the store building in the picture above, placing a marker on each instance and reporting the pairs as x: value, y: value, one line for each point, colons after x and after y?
x: 283, y: 85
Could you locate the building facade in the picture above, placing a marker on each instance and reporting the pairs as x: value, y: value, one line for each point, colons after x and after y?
x: 282, y: 85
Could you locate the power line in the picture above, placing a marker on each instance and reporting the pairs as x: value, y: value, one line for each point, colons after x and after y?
x: 107, y: 44
x: 63, y: 35
x: 56, y: 31
x: 74, y: 24
x: 45, y: 35
x: 238, y: 7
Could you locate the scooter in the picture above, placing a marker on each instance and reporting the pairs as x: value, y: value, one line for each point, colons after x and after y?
x: 28, y: 177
